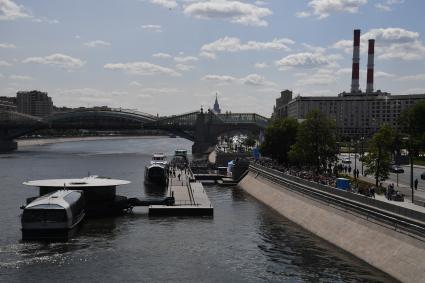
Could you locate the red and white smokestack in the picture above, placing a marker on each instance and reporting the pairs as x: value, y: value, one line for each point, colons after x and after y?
x: 355, y: 87
x: 370, y: 65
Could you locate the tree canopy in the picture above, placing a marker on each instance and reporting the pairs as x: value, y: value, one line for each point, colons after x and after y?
x: 412, y: 122
x: 380, y: 148
x: 316, y: 142
x: 280, y: 135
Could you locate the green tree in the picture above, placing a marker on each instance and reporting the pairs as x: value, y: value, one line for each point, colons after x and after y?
x: 380, y: 148
x: 279, y: 136
x: 249, y: 141
x: 315, y: 143
x: 412, y: 122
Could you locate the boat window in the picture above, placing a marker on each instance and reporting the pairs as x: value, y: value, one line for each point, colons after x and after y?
x: 72, y: 197
x: 44, y: 215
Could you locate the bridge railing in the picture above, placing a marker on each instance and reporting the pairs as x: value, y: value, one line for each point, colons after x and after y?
x: 134, y: 111
x: 11, y: 118
x: 244, y: 118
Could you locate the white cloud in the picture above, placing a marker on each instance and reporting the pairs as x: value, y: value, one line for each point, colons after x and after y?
x: 46, y: 20
x: 305, y: 60
x: 184, y: 67
x: 219, y: 78
x: 417, y: 77
x: 96, y: 43
x: 185, y: 59
x: 256, y: 80
x: 170, y: 4
x: 159, y: 90
x: 20, y: 78
x: 7, y: 45
x: 152, y: 28
x: 387, y: 5
x: 161, y: 55
x: 250, y: 80
x: 391, y: 43
x: 208, y: 55
x: 391, y: 35
x: 9, y: 10
x: 380, y: 74
x: 324, y: 8
x: 135, y: 84
x: 303, y: 14
x: 142, y: 68
x: 233, y: 11
x: 4, y: 64
x: 57, y: 59
x: 261, y: 65
x: 417, y: 90
x: 233, y: 44
x: 320, y: 78
x: 314, y: 49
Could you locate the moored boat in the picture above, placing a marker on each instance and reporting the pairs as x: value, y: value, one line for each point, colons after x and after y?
x: 99, y: 193
x: 54, y: 216
x: 157, y: 171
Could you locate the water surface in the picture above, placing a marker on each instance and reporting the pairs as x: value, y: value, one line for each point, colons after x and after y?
x: 245, y: 241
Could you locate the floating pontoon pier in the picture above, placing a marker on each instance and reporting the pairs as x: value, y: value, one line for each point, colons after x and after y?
x: 189, y: 195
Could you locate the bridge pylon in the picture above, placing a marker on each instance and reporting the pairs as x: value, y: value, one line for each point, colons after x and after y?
x: 202, y: 140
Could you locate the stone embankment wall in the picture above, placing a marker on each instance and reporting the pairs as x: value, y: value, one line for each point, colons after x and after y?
x: 399, y: 255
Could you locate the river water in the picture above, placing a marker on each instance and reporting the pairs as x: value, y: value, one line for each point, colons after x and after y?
x: 245, y: 241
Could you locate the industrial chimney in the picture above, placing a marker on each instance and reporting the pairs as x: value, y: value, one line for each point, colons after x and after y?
x: 356, y: 61
x: 370, y: 65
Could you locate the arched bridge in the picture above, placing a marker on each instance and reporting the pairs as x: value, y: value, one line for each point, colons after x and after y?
x: 202, y: 128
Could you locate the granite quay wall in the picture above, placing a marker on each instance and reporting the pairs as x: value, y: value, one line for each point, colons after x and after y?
x: 392, y: 243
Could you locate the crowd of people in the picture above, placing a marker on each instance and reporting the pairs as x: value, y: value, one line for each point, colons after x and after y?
x: 328, y: 177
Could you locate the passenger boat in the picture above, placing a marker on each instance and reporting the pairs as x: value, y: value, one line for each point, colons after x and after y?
x: 157, y: 171
x: 54, y: 216
x: 180, y: 158
x: 99, y: 193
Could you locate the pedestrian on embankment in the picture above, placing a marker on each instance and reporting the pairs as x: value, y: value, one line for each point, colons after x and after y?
x: 416, y: 184
x: 372, y: 191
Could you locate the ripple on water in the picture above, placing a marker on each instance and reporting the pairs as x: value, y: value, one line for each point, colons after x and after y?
x: 245, y: 241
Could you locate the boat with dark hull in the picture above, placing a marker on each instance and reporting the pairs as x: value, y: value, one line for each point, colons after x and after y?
x: 54, y: 216
x: 157, y: 171
x: 99, y: 193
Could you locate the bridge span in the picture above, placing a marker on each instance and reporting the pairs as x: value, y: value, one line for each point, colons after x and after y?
x: 203, y: 128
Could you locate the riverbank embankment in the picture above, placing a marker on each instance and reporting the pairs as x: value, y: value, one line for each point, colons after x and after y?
x: 45, y: 141
x: 399, y: 254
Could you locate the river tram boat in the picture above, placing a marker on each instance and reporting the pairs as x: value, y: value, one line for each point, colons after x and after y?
x: 157, y: 171
x: 53, y: 216
x: 99, y: 193
x: 180, y: 158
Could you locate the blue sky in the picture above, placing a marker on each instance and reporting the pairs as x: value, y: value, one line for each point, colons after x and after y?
x: 172, y: 56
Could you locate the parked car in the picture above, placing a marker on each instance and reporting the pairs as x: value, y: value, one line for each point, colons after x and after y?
x: 346, y: 160
x: 423, y: 176
x: 396, y: 169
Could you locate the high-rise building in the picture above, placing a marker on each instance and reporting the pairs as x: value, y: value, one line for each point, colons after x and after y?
x: 216, y: 107
x: 34, y: 103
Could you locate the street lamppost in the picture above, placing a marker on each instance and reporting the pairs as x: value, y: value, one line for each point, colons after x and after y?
x: 355, y: 160
x: 410, y: 149
x: 362, y: 139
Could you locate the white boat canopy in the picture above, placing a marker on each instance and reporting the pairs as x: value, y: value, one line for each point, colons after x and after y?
x: 91, y: 181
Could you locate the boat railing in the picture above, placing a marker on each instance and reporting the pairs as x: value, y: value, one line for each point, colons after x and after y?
x: 185, y: 202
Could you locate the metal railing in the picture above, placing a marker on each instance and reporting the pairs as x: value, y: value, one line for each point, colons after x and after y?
x: 397, y: 222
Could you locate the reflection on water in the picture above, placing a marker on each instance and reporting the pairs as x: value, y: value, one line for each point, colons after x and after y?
x: 244, y: 241
x: 155, y: 190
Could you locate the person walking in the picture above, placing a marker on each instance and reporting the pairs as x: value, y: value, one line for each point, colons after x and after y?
x: 372, y: 191
x: 416, y: 184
